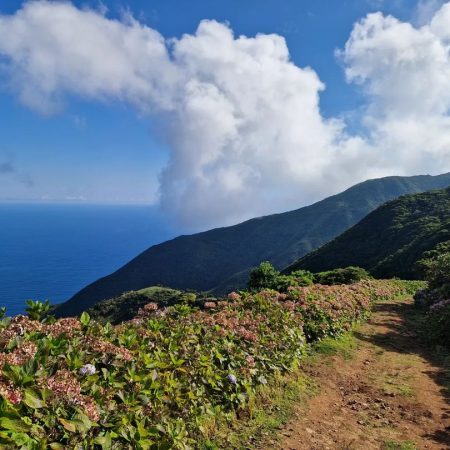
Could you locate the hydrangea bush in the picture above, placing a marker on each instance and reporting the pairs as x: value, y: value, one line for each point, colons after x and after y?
x: 152, y: 382
x: 436, y: 298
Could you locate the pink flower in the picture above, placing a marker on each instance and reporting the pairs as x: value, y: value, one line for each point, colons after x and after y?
x: 101, y: 346
x: 151, y: 306
x: 247, y: 335
x: 20, y: 355
x: 250, y: 361
x: 234, y: 296
x: 66, y: 388
x: 8, y: 391
x: 289, y: 305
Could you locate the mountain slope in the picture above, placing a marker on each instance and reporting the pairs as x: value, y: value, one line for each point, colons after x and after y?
x: 220, y: 260
x: 390, y: 240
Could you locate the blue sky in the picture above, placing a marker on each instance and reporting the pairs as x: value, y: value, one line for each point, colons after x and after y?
x: 110, y: 151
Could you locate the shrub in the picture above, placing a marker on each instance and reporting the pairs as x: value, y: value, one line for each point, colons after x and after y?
x: 347, y: 275
x: 265, y: 276
x: 436, y: 269
x: 437, y: 272
x: 438, y: 323
x: 37, y: 310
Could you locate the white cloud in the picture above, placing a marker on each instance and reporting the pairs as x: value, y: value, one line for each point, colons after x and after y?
x: 243, y: 122
x: 405, y: 73
x: 55, y: 49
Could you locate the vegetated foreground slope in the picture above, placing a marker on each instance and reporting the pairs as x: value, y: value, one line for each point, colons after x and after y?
x: 166, y: 378
x: 220, y: 260
x: 390, y: 240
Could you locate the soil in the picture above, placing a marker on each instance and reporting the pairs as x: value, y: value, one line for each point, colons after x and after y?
x: 391, y: 394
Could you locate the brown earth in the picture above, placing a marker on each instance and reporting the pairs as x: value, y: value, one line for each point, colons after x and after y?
x: 391, y: 394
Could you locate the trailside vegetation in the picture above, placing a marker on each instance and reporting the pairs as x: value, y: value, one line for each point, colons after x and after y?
x: 160, y: 380
x: 266, y: 276
x: 436, y: 297
x: 126, y: 306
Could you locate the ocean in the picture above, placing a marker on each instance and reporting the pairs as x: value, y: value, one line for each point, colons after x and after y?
x: 50, y: 251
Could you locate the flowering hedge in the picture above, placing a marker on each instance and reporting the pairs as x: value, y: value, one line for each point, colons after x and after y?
x: 436, y: 298
x: 153, y: 382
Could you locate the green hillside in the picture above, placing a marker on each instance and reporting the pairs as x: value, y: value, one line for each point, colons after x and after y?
x: 391, y: 240
x: 127, y: 305
x: 220, y: 260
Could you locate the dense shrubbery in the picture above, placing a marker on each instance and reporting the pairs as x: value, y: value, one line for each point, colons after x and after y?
x: 438, y: 323
x: 159, y: 380
x: 436, y: 298
x: 265, y: 276
x: 347, y: 275
x: 126, y: 306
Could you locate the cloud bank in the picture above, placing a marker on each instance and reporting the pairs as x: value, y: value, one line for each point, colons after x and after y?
x: 243, y: 122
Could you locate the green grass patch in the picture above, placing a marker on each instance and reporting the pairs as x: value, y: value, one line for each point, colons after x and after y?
x: 344, y: 345
x: 395, y: 445
x: 393, y: 386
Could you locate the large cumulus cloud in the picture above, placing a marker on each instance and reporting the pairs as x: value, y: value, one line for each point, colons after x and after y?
x: 243, y: 122
x: 405, y: 73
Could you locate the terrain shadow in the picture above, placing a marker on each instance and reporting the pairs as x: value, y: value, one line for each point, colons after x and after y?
x: 401, y: 333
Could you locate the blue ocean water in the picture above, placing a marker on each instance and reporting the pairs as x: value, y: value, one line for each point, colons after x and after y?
x: 50, y: 251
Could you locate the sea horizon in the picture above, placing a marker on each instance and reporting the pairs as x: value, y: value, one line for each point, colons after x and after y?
x: 51, y: 250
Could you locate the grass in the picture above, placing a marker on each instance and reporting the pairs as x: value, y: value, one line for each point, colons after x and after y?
x: 152, y: 290
x: 393, y: 386
x: 345, y: 346
x: 394, y: 381
x: 395, y: 445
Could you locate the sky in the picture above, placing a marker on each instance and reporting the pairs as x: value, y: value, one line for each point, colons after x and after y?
x: 218, y: 111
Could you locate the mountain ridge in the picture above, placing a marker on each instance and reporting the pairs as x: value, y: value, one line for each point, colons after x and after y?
x: 219, y: 260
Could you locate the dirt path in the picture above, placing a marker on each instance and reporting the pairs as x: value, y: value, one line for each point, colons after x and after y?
x: 389, y: 395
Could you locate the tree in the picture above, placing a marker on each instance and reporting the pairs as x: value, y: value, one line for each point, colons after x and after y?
x: 265, y: 276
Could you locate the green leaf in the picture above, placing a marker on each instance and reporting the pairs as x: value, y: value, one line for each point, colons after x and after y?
x: 56, y: 446
x: 31, y: 399
x: 104, y: 441
x: 85, y: 318
x: 68, y: 425
x: 83, y: 423
x: 14, y: 424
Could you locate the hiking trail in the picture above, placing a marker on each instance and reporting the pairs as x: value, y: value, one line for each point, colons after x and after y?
x: 390, y: 394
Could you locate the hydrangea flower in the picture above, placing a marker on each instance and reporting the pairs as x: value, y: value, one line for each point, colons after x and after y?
x: 88, y: 369
x: 231, y: 378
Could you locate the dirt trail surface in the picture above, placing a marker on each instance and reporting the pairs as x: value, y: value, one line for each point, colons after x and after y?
x: 388, y: 395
